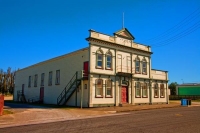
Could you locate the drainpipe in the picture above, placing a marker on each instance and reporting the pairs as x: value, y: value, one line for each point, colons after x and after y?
x: 167, y: 96
x: 150, y: 82
x: 115, y: 78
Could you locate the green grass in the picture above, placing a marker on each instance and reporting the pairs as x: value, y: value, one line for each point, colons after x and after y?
x: 6, y: 112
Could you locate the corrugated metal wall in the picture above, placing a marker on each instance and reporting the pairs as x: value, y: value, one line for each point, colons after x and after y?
x: 189, y: 90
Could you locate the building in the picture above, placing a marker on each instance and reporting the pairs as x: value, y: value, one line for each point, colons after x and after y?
x: 188, y: 89
x: 111, y: 71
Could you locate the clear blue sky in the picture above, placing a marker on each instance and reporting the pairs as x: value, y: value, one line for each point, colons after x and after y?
x: 32, y: 31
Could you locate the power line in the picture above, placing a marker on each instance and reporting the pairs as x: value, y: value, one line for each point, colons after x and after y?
x: 177, y: 27
x: 186, y: 32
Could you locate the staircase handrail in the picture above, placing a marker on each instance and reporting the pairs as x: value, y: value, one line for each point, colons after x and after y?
x: 70, y: 83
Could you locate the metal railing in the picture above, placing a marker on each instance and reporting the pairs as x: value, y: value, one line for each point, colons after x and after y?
x: 70, y: 88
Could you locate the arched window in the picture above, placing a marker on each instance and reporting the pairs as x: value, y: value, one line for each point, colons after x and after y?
x: 137, y: 89
x: 137, y: 65
x: 162, y: 91
x: 108, y: 88
x: 99, y: 88
x: 156, y: 94
x: 144, y: 66
x: 99, y: 59
x: 108, y: 60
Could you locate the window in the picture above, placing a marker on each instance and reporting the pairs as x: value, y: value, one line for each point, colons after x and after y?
x: 119, y: 61
x: 162, y: 91
x: 35, y: 80
x: 99, y: 59
x: 109, y: 60
x: 108, y: 88
x: 156, y: 90
x: 144, y: 66
x: 99, y: 88
x: 137, y: 65
x: 42, y: 79
x: 137, y: 89
x: 29, y: 81
x: 57, y: 77
x: 50, y: 78
x: 144, y: 90
x: 128, y: 64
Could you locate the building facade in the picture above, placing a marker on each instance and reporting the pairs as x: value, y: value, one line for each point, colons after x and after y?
x: 111, y: 71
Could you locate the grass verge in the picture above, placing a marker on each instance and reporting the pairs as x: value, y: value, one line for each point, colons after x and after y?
x: 6, y: 112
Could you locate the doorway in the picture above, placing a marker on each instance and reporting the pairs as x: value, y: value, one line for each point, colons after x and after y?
x: 124, y: 94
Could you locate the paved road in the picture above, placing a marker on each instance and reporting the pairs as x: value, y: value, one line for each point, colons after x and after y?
x: 171, y: 120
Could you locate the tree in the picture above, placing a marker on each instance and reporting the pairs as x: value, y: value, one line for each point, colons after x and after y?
x: 7, y: 81
x: 172, y: 88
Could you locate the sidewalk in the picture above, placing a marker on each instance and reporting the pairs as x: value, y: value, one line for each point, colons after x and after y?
x: 39, y: 114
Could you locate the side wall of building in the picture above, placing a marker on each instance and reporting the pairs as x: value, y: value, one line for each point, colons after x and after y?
x: 66, y: 64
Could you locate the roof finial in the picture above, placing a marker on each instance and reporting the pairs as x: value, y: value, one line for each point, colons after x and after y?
x: 123, y: 20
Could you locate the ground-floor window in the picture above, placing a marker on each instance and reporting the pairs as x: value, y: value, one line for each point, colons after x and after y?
x: 99, y: 88
x: 156, y: 90
x: 108, y: 88
x: 162, y: 91
x: 144, y: 90
x: 137, y: 89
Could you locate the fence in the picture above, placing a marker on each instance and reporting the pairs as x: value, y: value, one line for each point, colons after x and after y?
x: 1, y: 104
x: 178, y: 97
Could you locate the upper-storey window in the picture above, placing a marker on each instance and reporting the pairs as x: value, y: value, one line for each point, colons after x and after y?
x: 50, y: 78
x: 119, y: 64
x: 109, y: 60
x: 137, y: 65
x: 99, y: 59
x: 29, y: 81
x: 42, y: 79
x: 144, y: 66
x: 57, y: 77
x: 128, y: 64
x: 35, y: 80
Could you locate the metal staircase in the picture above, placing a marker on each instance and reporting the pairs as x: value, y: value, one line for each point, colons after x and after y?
x: 21, y: 97
x: 70, y: 88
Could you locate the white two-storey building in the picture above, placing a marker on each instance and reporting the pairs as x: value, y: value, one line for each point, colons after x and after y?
x: 111, y: 71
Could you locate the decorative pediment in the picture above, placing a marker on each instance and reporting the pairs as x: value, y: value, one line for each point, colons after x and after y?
x: 124, y: 33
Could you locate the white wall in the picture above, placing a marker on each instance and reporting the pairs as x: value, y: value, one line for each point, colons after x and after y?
x: 67, y: 64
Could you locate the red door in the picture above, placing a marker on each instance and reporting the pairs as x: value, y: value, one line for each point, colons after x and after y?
x: 85, y: 68
x: 41, y: 93
x: 124, y: 94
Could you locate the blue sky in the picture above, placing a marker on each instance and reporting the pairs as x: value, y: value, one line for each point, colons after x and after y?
x: 32, y: 31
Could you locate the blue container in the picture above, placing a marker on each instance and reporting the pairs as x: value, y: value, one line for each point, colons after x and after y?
x: 184, y: 102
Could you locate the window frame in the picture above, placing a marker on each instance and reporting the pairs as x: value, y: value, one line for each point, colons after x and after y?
x: 137, y: 60
x: 162, y: 89
x: 110, y: 87
x: 111, y: 62
x: 57, y: 80
x: 29, y: 81
x: 99, y: 53
x: 99, y: 87
x: 35, y: 80
x: 137, y: 87
x: 145, y: 88
x: 144, y: 62
x: 128, y: 64
x: 42, y: 79
x: 156, y: 88
x: 119, y: 59
x: 50, y: 78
